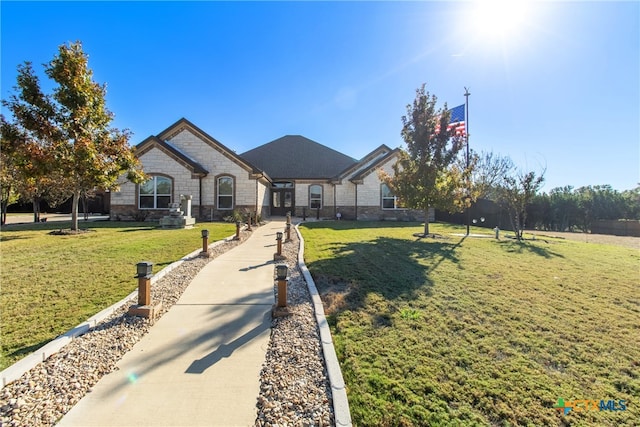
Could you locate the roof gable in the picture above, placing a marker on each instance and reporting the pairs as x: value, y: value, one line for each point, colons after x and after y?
x: 173, y: 152
x: 364, y: 172
x: 297, y: 157
x: 184, y: 124
x: 373, y: 156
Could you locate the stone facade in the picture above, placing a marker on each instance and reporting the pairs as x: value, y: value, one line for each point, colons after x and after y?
x: 194, y: 162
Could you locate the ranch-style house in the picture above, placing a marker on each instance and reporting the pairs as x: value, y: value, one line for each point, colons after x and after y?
x: 290, y: 174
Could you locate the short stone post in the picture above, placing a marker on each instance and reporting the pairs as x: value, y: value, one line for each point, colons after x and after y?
x: 497, y: 230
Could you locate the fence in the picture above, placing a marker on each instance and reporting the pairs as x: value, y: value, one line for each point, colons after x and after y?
x: 617, y: 227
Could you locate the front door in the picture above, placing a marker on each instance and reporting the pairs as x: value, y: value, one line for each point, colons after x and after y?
x: 282, y: 201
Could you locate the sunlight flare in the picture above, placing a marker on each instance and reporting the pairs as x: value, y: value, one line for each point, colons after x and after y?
x: 494, y: 20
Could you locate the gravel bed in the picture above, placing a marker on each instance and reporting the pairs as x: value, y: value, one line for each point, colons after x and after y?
x: 294, y: 388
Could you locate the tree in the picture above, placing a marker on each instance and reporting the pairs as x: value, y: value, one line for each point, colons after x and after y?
x: 9, y: 173
x: 489, y: 172
x: 426, y: 174
x: 74, y: 126
x: 516, y: 192
x: 599, y: 202
x: 564, y: 208
x: 27, y: 169
x: 632, y: 203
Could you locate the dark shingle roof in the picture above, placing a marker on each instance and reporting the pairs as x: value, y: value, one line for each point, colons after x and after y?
x: 297, y: 157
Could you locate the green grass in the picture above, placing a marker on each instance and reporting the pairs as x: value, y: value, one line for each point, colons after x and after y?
x: 51, y: 283
x: 474, y: 331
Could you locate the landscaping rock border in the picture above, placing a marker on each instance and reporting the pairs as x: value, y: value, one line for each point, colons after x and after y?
x: 295, y: 384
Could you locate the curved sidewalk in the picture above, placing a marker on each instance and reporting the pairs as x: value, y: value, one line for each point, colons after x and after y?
x: 200, y: 363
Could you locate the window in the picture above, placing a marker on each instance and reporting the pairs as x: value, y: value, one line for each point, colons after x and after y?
x: 283, y: 184
x: 225, y: 192
x: 155, y: 193
x: 315, y: 196
x: 389, y: 201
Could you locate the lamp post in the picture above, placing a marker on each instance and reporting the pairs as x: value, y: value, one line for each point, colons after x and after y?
x: 237, y: 230
x: 288, y: 228
x: 144, y: 308
x: 281, y: 276
x: 205, y: 242
x: 279, y: 239
x: 143, y: 270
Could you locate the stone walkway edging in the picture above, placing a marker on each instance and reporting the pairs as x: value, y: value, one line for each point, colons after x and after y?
x: 338, y: 390
x: 29, y: 362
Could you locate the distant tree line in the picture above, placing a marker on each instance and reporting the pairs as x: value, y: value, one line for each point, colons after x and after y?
x: 569, y: 209
x: 496, y: 179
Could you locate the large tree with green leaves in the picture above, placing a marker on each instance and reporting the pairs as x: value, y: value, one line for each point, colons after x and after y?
x: 74, y: 126
x: 427, y: 174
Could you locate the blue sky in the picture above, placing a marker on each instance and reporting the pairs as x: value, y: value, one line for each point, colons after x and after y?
x: 555, y: 85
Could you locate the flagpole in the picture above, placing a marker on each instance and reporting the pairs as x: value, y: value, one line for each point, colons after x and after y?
x: 466, y: 124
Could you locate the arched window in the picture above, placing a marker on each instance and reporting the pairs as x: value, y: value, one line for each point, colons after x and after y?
x: 155, y: 193
x: 315, y: 196
x: 389, y: 200
x: 225, y: 192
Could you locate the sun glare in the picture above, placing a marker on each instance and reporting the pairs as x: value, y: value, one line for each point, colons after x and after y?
x: 498, y: 19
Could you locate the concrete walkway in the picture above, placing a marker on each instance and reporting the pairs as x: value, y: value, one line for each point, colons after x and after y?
x: 200, y: 363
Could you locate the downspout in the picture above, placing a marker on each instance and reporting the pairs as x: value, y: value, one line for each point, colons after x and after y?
x: 356, y: 201
x: 200, y: 198
x: 335, y: 207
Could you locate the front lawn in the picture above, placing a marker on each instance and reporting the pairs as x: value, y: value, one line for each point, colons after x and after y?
x: 474, y: 331
x: 51, y: 283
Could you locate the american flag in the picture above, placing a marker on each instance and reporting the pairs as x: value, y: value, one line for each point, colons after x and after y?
x: 457, y: 121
